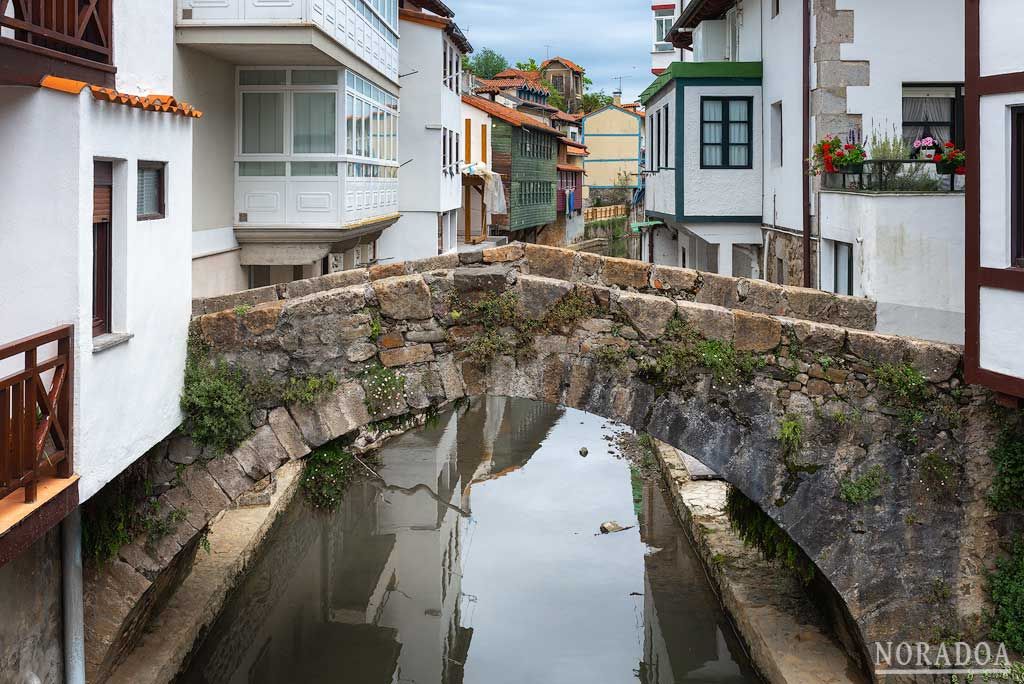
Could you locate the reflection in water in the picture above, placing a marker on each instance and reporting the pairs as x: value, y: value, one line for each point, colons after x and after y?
x: 412, y: 581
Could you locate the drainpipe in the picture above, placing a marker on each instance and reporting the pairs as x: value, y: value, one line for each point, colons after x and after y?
x: 73, y: 597
x: 806, y: 182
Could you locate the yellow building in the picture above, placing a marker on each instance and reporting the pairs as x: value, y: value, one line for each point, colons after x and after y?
x: 614, y: 137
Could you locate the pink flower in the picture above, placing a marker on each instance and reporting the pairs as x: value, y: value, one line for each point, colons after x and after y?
x: 917, y: 144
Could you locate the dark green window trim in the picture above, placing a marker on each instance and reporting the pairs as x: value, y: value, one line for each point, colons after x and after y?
x: 726, y: 144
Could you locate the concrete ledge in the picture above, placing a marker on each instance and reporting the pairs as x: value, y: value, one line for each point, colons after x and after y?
x: 766, y: 603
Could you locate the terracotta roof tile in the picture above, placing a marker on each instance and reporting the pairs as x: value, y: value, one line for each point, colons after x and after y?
x: 507, y: 114
x: 151, y: 103
x: 518, y: 73
x: 571, y: 65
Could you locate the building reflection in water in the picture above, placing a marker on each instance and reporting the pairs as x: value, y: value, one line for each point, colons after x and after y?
x: 372, y: 593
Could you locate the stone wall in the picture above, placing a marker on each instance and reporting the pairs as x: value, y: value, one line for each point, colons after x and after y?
x: 651, y: 347
x: 31, y: 624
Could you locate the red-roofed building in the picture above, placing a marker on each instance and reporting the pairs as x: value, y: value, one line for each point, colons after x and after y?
x: 567, y: 78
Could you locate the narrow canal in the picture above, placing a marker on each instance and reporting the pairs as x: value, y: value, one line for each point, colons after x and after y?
x: 479, y: 561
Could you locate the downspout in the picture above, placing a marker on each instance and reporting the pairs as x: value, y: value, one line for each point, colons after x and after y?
x: 73, y: 598
x: 806, y: 183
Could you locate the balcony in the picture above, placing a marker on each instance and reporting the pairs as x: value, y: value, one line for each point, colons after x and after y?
x: 37, y: 481
x: 68, y: 38
x: 902, y: 176
x: 307, y: 32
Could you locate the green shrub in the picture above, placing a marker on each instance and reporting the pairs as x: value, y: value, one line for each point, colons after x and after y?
x: 758, y: 530
x: 307, y: 390
x: 328, y: 473
x: 1007, y: 492
x: 1006, y: 589
x: 864, y: 488
x: 215, y: 401
x: 243, y: 309
x: 611, y: 356
x: 724, y: 362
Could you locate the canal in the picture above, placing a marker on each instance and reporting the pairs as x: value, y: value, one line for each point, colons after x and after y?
x: 479, y: 560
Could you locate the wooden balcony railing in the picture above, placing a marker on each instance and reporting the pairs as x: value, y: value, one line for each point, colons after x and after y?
x: 36, y: 412
x: 76, y: 32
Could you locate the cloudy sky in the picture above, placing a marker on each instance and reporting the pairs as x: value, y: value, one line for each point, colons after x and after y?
x: 608, y: 38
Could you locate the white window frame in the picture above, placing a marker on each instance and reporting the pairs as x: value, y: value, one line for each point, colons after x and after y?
x: 658, y: 41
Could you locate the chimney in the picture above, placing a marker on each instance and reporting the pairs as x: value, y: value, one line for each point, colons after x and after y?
x: 617, y: 97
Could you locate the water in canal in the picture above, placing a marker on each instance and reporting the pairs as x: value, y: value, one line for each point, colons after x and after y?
x: 479, y: 562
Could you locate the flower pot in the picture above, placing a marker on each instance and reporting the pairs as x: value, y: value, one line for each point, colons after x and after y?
x: 852, y: 168
x: 944, y: 167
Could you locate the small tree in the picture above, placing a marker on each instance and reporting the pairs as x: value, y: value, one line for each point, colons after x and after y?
x: 487, y: 63
x: 594, y: 101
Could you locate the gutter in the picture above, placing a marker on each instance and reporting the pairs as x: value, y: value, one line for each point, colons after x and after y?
x: 806, y: 183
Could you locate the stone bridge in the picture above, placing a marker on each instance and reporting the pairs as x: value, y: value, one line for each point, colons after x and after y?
x: 867, y: 449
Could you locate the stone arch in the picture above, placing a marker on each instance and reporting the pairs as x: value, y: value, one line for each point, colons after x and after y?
x: 420, y: 321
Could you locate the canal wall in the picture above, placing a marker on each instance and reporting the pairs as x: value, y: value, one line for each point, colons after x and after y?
x: 834, y: 431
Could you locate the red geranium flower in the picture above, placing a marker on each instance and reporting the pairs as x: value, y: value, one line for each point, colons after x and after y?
x: 840, y: 153
x: 949, y: 143
x: 961, y: 170
x: 937, y: 157
x: 847, y: 146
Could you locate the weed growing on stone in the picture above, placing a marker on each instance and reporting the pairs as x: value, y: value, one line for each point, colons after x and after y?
x: 215, y: 401
x: 936, y: 472
x: 1006, y: 589
x: 489, y: 344
x: 384, y: 388
x: 569, y: 311
x: 242, y: 309
x: 376, y: 327
x: 903, y: 381
x: 681, y: 350
x: 611, y: 356
x: 114, y: 518
x: 791, y: 436
x: 826, y: 362
x: 328, y: 473
x: 308, y: 389
x: 758, y: 530
x: 864, y: 488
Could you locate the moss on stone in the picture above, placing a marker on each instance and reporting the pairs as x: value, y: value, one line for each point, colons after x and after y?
x: 864, y: 488
x: 758, y: 530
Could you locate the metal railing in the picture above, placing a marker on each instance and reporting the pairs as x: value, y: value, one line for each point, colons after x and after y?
x: 80, y: 30
x: 36, y: 411
x: 895, y: 175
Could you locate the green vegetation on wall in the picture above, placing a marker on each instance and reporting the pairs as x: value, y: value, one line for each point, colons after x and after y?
x: 1006, y: 588
x: 216, y: 400
x: 758, y: 530
x: 682, y: 350
x: 329, y: 472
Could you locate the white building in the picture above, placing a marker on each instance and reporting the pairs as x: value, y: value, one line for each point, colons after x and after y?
x: 432, y: 133
x: 96, y: 244
x: 732, y: 193
x: 663, y: 53
x: 995, y: 198
x: 296, y: 171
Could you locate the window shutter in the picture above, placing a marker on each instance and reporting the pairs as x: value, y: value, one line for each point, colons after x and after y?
x: 103, y: 180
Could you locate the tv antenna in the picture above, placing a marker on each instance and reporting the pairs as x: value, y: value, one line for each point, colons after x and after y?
x: 547, y: 52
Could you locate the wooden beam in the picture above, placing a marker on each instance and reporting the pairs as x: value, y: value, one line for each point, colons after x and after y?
x: 483, y: 143
x: 469, y: 141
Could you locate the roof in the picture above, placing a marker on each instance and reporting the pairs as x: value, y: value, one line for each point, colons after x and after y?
x: 697, y: 70
x: 568, y: 118
x: 572, y: 143
x: 569, y: 167
x: 639, y: 115
x: 571, y: 65
x: 435, y: 6
x: 518, y: 73
x: 446, y: 23
x: 695, y: 12
x: 497, y: 84
x: 152, y: 103
x: 508, y: 115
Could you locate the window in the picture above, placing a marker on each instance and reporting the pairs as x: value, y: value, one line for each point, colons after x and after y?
x: 452, y: 67
x: 777, y: 134
x: 150, y: 191
x: 102, y: 248
x: 656, y: 138
x: 843, y: 268
x: 663, y: 20
x: 1017, y: 187
x: 558, y: 81
x: 371, y: 120
x: 933, y: 111
x: 725, y: 132
x: 314, y: 123
x: 664, y: 121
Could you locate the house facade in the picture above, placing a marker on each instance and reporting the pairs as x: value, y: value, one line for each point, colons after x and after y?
x: 296, y: 174
x: 614, y: 137
x: 431, y: 128
x: 663, y: 52
x: 475, y: 216
x: 569, y: 221
x: 95, y: 267
x: 732, y: 191
x: 994, y: 123
x: 567, y: 78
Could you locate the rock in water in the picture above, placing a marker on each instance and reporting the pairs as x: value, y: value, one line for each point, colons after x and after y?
x: 611, y: 526
x: 584, y: 452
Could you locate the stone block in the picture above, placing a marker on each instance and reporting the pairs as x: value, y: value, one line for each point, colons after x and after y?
x: 342, y: 300
x: 818, y: 337
x: 430, y: 336
x: 183, y: 451
x: 381, y: 271
x: 230, y: 475
x: 404, y: 297
x: 756, y: 332
x: 418, y: 353
x: 550, y: 262
x: 230, y: 301
x: 587, y: 265
x: 443, y: 262
x: 760, y: 296
x: 360, y: 351
x: 261, y: 454
x: 856, y: 312
x: 340, y: 412
x: 391, y: 340
x: 707, y: 320
x: 219, y: 330
x: 671, y: 278
x: 626, y: 273
x: 451, y: 378
x: 331, y: 281
x: 649, y: 314
x: 537, y: 295
x: 287, y: 433
x: 475, y: 284
x: 936, y: 362
x: 263, y: 318
x: 717, y: 290
x: 204, y: 490
x: 510, y: 252
x: 875, y: 348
